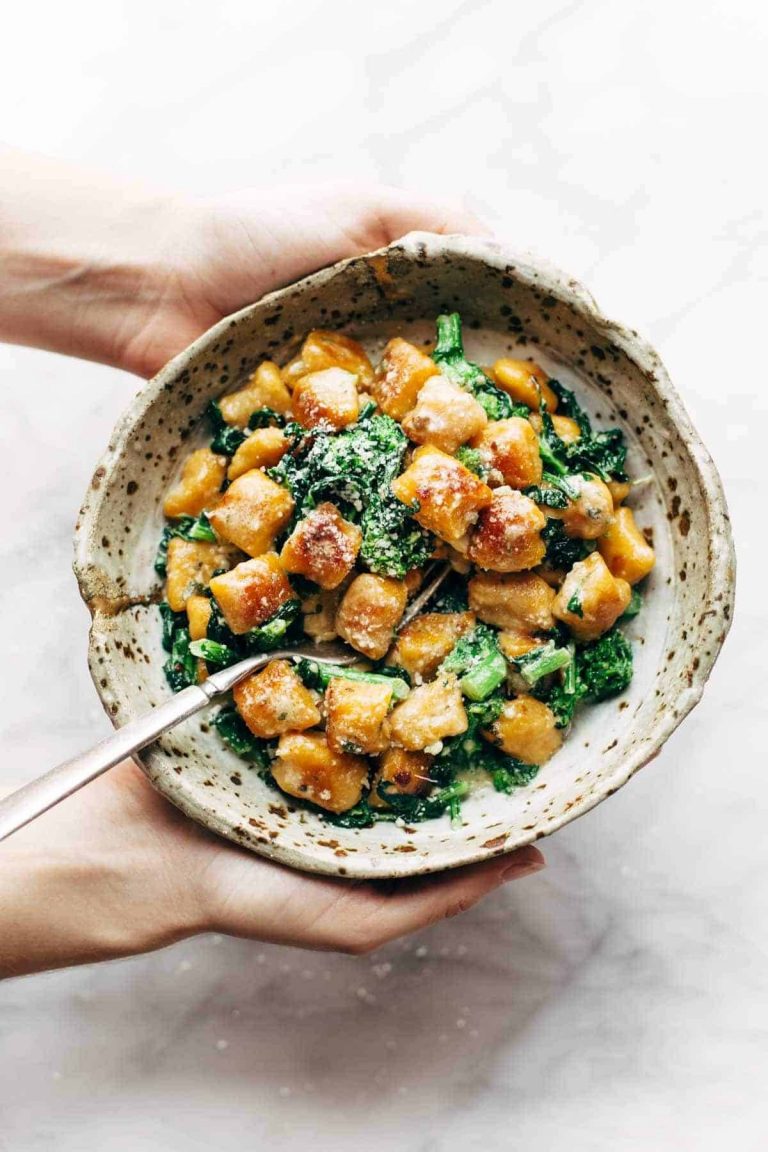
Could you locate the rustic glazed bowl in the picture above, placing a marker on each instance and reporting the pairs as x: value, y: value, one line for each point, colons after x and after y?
x: 510, y: 304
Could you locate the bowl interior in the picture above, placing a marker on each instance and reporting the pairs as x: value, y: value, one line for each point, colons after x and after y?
x: 510, y: 305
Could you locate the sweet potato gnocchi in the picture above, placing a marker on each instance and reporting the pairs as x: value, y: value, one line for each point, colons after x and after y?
x: 327, y: 488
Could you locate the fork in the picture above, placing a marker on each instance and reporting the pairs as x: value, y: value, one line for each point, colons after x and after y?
x: 31, y: 800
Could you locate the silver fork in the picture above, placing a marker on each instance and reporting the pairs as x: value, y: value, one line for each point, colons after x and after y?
x: 47, y: 790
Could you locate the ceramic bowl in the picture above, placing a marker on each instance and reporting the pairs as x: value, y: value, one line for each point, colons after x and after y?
x: 510, y: 303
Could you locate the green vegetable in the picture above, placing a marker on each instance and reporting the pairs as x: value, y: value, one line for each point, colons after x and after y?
x: 186, y: 527
x: 542, y: 661
x: 265, y: 418
x: 417, y: 808
x: 563, y: 551
x: 469, y: 749
x: 513, y: 773
x: 574, y: 605
x: 602, y: 453
x: 451, y: 595
x: 181, y: 666
x: 226, y: 439
x: 213, y: 652
x: 318, y: 676
x: 266, y: 638
x: 598, y: 670
x: 450, y: 358
x: 634, y: 606
x: 472, y: 458
x: 478, y: 662
x: 605, y: 665
x: 355, y: 468
x: 568, y: 405
x: 234, y: 732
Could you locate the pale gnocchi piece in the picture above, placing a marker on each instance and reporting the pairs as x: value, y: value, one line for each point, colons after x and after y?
x: 323, y: 547
x: 518, y: 600
x: 525, y: 382
x: 591, y: 600
x: 322, y: 350
x: 263, y: 449
x: 369, y: 613
x: 328, y: 397
x: 511, y: 449
x: 403, y: 372
x: 624, y: 548
x: 508, y: 533
x: 254, y: 510
x: 526, y: 729
x: 588, y: 515
x: 423, y: 644
x: 356, y: 716
x: 319, y: 615
x: 198, y: 615
x: 429, y: 715
x: 445, y: 415
x: 265, y: 389
x: 404, y: 772
x: 252, y: 592
x: 275, y: 700
x: 446, y: 495
x: 189, y: 567
x: 309, y: 769
x: 200, y: 485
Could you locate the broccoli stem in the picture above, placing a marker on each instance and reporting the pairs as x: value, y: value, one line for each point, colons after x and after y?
x: 320, y: 675
x: 485, y: 677
x: 542, y: 662
x: 213, y: 652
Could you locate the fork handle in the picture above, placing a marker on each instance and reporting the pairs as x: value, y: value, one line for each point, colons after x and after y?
x: 39, y: 795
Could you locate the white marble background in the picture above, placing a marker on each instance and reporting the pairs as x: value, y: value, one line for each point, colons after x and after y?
x: 619, y: 1001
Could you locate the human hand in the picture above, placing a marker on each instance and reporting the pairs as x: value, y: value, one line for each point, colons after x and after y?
x: 115, y: 870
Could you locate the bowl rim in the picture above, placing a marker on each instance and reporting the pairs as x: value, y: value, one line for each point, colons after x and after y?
x: 529, y: 267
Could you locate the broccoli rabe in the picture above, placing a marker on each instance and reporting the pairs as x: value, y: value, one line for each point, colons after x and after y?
x: 477, y: 662
x: 234, y: 732
x: 563, y: 551
x: 470, y: 751
x: 355, y: 468
x: 418, y: 808
x: 318, y: 675
x: 634, y: 605
x: 453, y: 364
x: 472, y: 458
x: 541, y: 661
x: 597, y: 670
x: 601, y: 453
x: 181, y: 666
x: 265, y: 418
x: 226, y: 439
x: 275, y: 633
x: 188, y: 528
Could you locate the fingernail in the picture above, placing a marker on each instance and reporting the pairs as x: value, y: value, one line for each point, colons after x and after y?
x: 526, y: 862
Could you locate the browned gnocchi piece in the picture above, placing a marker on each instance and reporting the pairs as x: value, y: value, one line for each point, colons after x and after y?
x: 308, y: 768
x: 429, y: 715
x: 275, y: 700
x: 263, y: 449
x: 423, y: 644
x: 356, y: 715
x: 322, y: 350
x: 402, y: 373
x: 508, y: 533
x: 265, y: 389
x: 446, y: 495
x: 591, y: 600
x: 323, y: 546
x: 369, y: 612
x: 624, y: 548
x: 252, y: 592
x: 254, y: 510
x: 526, y: 729
x: 189, y: 567
x: 518, y: 600
x: 511, y: 449
x: 525, y: 382
x: 403, y: 772
x: 328, y: 397
x: 445, y: 415
x: 200, y: 485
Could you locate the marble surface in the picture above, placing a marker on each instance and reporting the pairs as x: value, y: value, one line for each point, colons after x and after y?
x: 618, y: 1001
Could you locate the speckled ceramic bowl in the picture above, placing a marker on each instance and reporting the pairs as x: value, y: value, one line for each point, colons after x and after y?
x: 509, y: 303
